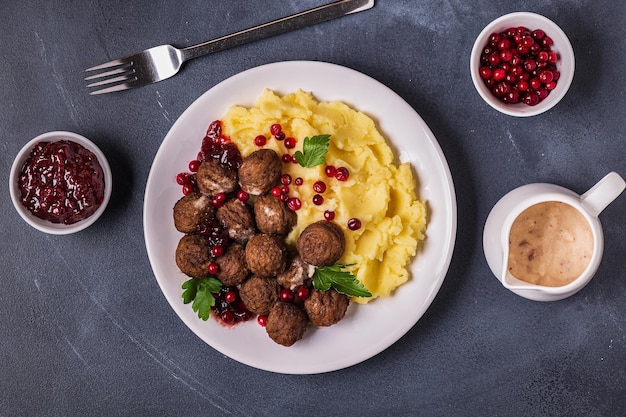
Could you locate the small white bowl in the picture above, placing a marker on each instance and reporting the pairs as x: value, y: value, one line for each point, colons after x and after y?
x: 45, y: 225
x: 565, y: 65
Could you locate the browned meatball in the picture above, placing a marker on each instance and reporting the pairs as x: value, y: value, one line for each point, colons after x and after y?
x: 326, y: 308
x: 191, y: 211
x: 272, y: 216
x: 266, y: 255
x: 297, y: 273
x: 214, y: 178
x: 193, y: 255
x: 286, y: 323
x: 259, y: 294
x: 259, y: 171
x: 238, y: 219
x: 233, y: 269
x: 321, y: 243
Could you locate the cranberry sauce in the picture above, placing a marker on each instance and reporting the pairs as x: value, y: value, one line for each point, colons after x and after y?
x: 61, y: 182
x: 229, y: 309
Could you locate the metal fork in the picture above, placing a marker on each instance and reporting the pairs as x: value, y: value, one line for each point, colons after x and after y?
x: 164, y: 61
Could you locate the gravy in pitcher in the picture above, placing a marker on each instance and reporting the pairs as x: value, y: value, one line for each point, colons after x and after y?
x: 550, y: 244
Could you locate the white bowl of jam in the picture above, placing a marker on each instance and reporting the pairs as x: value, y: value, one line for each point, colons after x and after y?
x: 60, y: 182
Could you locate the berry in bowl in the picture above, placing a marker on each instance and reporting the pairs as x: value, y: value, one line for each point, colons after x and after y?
x: 60, y: 183
x: 522, y: 64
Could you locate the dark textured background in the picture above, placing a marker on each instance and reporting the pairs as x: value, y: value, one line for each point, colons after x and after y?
x: 85, y: 330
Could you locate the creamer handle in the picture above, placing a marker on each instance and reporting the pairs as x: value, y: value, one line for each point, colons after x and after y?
x: 603, y: 193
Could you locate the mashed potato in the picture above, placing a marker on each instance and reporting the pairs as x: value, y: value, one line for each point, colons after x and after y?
x: 378, y: 193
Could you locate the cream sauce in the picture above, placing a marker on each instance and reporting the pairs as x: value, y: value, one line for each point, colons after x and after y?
x: 550, y: 244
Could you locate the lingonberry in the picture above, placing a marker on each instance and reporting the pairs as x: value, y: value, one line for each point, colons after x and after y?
x: 294, y: 203
x: 290, y: 142
x: 193, y: 165
x: 213, y: 268
x: 275, y: 129
x: 260, y: 140
x: 302, y: 293
x: 318, y: 200
x: 319, y: 186
x: 243, y: 196
x: 518, y: 60
x: 342, y: 174
x: 230, y: 297
x: 286, y: 295
x: 329, y: 215
x: 354, y: 224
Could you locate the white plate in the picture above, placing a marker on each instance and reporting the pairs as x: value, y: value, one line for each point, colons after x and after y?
x: 367, y: 329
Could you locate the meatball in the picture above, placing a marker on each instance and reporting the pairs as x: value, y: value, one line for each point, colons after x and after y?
x: 233, y: 269
x: 266, y: 255
x: 297, y: 273
x: 214, y: 178
x: 321, y: 243
x: 326, y: 308
x: 259, y: 294
x: 191, y: 211
x: 272, y: 216
x: 193, y: 255
x: 238, y: 219
x: 259, y: 172
x: 286, y: 323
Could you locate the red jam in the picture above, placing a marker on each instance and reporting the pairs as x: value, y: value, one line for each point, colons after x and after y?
x: 61, y: 182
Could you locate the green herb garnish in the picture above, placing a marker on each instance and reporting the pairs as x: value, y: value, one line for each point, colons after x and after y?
x: 313, y: 151
x: 200, y: 291
x: 342, y: 281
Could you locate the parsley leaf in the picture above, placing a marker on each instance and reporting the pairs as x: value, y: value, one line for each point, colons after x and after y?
x: 313, y: 151
x: 342, y: 281
x: 200, y: 291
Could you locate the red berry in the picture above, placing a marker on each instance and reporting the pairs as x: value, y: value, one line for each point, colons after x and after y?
x: 217, y: 251
x: 318, y: 200
x: 193, y: 165
x: 302, y: 293
x: 319, y: 186
x: 286, y: 158
x: 213, y: 268
x: 187, y: 189
x: 299, y: 181
x: 342, y: 174
x: 275, y: 129
x: 262, y: 320
x: 485, y: 72
x: 218, y: 200
x: 546, y: 76
x: 294, y: 204
x: 329, y: 215
x: 182, y: 178
x: 260, y: 140
x: 285, y: 179
x: 499, y: 74
x: 280, y: 136
x: 354, y: 224
x: 243, y: 196
x: 290, y: 143
x: 230, y: 297
x: 330, y: 171
x: 276, y: 192
x: 286, y: 295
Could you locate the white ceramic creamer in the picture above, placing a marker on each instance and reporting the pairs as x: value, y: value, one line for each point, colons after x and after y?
x: 498, y: 227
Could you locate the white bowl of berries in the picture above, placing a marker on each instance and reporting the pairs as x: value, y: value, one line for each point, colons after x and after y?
x: 522, y: 64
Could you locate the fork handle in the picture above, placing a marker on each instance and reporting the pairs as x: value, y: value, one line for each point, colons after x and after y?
x: 285, y: 24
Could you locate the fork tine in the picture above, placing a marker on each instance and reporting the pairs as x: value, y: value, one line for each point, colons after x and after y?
x: 127, y: 77
x: 118, y: 87
x: 108, y: 73
x: 115, y: 62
